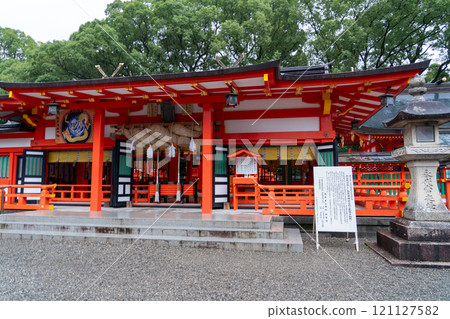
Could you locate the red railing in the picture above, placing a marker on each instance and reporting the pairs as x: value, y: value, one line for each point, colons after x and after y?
x: 299, y: 200
x: 78, y: 193
x: 21, y: 196
x: 141, y: 193
x: 389, y: 174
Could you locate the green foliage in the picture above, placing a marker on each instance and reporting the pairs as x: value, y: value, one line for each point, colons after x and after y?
x: 367, y: 34
x: 14, y: 44
x: 162, y: 36
x: 436, y: 72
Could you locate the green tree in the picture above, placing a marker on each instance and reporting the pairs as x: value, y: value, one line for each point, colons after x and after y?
x: 367, y: 34
x: 436, y: 72
x: 184, y: 35
x: 15, y: 47
x: 14, y: 44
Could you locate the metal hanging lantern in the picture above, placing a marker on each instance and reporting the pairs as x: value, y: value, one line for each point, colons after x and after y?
x: 232, y: 99
x: 387, y: 99
x: 355, y: 124
x: 53, y: 107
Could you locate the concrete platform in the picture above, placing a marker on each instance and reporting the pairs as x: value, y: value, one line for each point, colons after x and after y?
x: 223, y: 229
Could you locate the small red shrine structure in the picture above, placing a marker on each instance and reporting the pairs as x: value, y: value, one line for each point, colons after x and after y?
x: 246, y: 176
x: 95, y: 147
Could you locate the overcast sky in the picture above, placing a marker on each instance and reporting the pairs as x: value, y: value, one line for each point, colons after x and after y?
x: 48, y: 20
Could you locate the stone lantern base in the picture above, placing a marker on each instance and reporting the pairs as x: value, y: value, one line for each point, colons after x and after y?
x: 415, y: 243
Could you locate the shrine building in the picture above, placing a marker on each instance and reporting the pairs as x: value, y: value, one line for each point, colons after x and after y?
x: 148, y: 140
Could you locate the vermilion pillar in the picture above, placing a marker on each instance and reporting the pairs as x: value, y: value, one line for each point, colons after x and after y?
x: 97, y: 160
x: 173, y: 167
x: 207, y: 157
x: 39, y: 132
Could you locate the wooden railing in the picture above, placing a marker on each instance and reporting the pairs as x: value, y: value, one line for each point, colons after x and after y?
x: 78, y: 193
x: 370, y: 200
x: 141, y: 193
x: 287, y: 199
x: 389, y: 174
x: 146, y: 193
x: 27, y: 197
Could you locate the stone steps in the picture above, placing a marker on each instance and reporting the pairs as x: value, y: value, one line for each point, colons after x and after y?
x: 290, y: 242
x: 222, y: 231
x: 163, y: 221
x: 275, y: 232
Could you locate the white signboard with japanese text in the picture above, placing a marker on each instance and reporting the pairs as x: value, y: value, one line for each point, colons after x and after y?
x: 246, y: 165
x: 334, y: 209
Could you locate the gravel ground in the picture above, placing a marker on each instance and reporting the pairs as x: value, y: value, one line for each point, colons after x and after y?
x: 67, y: 270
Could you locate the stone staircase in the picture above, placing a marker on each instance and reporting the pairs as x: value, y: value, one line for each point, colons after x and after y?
x: 157, y: 227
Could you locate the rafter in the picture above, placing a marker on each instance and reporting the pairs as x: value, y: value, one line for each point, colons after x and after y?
x: 197, y: 86
x: 168, y: 90
x: 233, y: 86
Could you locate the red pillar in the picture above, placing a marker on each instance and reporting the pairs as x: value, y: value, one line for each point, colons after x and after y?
x: 447, y: 187
x: 39, y: 132
x: 97, y: 160
x: 173, y: 167
x: 207, y: 157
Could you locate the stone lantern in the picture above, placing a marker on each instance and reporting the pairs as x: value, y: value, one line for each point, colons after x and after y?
x: 422, y: 236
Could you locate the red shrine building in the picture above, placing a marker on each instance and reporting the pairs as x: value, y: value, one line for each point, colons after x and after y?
x: 148, y: 139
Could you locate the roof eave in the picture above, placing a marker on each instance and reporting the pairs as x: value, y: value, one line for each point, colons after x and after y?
x: 167, y: 76
x: 402, y: 68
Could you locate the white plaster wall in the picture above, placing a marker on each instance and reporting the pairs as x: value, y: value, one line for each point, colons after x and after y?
x: 49, y: 133
x: 272, y: 104
x: 141, y: 112
x: 15, y: 142
x: 296, y: 124
x: 110, y: 114
x: 108, y: 130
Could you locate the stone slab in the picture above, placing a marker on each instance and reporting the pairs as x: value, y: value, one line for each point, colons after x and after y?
x: 421, y: 230
x: 144, y: 216
x: 405, y: 263
x: 291, y: 242
x: 413, y: 250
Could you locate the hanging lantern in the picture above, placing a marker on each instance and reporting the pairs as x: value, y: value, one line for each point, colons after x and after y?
x: 387, y: 99
x: 232, y: 99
